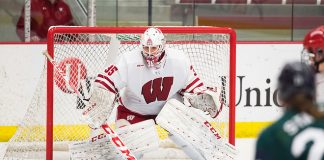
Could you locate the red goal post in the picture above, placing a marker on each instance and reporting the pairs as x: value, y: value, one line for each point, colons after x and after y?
x: 138, y: 30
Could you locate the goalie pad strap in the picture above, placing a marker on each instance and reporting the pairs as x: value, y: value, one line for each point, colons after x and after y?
x: 186, y: 122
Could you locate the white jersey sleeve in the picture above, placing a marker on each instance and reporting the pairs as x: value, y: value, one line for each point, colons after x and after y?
x: 114, y: 77
x: 193, y: 84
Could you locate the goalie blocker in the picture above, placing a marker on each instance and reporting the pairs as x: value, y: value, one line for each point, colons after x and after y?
x: 193, y: 133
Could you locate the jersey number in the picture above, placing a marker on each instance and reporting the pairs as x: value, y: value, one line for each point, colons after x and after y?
x: 157, y: 89
x: 299, y: 144
x: 111, y: 69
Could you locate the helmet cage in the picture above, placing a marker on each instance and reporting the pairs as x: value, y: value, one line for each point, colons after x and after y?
x: 153, y: 43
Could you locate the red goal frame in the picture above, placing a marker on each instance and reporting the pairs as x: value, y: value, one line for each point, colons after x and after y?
x: 82, y: 29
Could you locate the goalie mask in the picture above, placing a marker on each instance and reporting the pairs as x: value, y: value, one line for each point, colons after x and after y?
x: 153, y: 43
x: 314, y: 47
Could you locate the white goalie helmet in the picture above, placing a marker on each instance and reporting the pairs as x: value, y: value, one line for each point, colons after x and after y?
x: 153, y: 43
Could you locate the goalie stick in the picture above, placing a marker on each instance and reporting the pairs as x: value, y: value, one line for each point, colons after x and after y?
x: 120, y: 146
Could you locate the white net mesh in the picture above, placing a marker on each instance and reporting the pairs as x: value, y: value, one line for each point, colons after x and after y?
x: 81, y: 56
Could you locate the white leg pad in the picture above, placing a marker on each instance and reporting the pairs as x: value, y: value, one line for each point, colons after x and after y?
x: 139, y: 138
x: 187, y: 147
x: 186, y: 124
x: 97, y: 147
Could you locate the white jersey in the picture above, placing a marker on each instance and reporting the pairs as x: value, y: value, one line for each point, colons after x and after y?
x: 320, y: 89
x: 146, y: 90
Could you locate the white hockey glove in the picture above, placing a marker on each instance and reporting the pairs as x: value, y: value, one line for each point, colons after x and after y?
x: 99, y: 107
x: 208, y: 101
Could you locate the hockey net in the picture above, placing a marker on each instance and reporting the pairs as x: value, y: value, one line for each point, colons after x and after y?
x: 53, y: 119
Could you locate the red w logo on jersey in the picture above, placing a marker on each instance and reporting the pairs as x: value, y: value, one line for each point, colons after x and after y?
x: 157, y: 89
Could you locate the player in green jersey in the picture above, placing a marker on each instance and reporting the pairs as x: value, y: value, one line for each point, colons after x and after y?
x: 299, y: 133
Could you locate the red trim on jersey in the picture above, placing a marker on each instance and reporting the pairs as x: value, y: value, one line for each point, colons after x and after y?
x: 199, y: 85
x: 191, y: 84
x: 108, y: 79
x: 105, y: 85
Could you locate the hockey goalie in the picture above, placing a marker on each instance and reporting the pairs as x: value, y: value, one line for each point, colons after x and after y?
x: 155, y: 84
